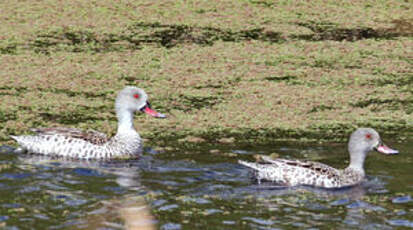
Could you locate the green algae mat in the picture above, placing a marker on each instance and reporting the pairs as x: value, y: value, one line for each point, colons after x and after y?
x: 248, y: 70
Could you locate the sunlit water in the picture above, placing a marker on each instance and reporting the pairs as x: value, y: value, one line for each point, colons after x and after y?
x: 200, y: 189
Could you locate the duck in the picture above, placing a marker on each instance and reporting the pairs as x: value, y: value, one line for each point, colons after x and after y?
x: 295, y: 172
x: 91, y: 144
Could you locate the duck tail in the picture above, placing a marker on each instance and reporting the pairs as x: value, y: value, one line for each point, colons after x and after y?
x: 250, y: 165
x: 19, y: 140
x: 16, y: 138
x: 269, y: 159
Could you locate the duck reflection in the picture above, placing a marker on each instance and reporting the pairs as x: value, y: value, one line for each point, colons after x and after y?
x: 128, y: 211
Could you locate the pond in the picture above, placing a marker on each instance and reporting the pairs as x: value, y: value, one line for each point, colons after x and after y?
x: 201, y: 187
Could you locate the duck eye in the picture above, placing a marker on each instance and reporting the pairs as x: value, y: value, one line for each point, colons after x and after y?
x: 368, y: 136
x: 136, y: 96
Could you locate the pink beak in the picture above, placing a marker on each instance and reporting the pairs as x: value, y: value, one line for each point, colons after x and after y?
x: 147, y: 109
x: 386, y: 150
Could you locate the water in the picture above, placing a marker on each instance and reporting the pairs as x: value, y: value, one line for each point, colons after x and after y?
x: 200, y: 187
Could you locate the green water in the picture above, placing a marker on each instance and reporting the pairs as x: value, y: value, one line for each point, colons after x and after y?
x: 192, y: 188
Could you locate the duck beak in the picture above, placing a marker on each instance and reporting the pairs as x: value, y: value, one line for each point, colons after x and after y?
x: 382, y: 148
x: 148, y: 110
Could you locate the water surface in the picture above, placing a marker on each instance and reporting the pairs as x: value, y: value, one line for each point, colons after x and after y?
x: 200, y: 188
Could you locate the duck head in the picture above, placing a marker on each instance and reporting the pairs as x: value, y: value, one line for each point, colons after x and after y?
x: 135, y: 99
x: 362, y: 141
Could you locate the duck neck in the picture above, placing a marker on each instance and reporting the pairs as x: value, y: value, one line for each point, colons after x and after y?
x: 357, y: 160
x: 125, y: 121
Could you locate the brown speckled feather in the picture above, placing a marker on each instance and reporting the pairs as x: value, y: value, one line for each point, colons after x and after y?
x: 294, y: 172
x: 91, y: 136
x: 310, y: 167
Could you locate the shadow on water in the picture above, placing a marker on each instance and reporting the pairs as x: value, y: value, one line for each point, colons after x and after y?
x: 199, y: 188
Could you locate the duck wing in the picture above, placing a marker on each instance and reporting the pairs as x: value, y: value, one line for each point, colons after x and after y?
x: 91, y: 136
x: 294, y: 172
x: 316, y: 167
x: 311, y: 165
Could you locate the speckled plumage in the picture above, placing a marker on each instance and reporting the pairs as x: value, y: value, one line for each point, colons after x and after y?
x: 294, y: 172
x: 75, y: 143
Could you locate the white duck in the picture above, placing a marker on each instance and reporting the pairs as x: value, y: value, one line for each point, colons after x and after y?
x: 75, y: 143
x: 294, y: 172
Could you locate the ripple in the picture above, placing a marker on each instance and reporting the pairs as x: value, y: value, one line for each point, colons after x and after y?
x: 243, y: 152
x: 228, y: 222
x: 401, y: 213
x: 4, y: 149
x: 259, y: 220
x: 150, y: 150
x: 157, y: 203
x: 340, y: 202
x: 364, y: 205
x: 400, y: 222
x: 315, y: 206
x: 14, y: 176
x: 196, y: 200
x: 87, y: 172
x: 212, y: 211
x: 168, y: 207
x: 30, y: 189
x: 114, y: 189
x: 171, y: 226
x: 401, y: 199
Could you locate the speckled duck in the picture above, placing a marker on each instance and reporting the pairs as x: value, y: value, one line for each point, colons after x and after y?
x: 294, y: 172
x: 75, y: 143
